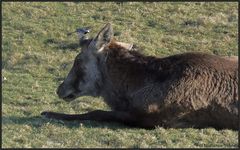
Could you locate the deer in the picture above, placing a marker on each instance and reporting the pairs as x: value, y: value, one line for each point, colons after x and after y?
x: 187, y: 90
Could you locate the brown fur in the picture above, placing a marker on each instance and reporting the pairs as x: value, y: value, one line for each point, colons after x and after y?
x: 185, y: 90
x: 195, y: 88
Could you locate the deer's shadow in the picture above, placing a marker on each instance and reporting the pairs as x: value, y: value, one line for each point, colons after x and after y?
x: 39, y: 121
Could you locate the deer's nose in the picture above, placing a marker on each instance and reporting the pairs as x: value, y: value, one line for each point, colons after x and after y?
x: 59, y: 89
x: 64, y: 90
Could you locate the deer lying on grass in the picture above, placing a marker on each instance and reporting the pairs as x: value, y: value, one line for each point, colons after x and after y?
x: 185, y: 90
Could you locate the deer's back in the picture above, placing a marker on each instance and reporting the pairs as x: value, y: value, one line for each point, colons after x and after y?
x: 189, y: 78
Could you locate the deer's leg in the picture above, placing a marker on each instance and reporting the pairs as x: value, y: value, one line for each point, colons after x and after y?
x: 97, y: 115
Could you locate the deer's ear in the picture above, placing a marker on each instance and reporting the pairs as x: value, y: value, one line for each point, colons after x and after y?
x: 127, y: 46
x: 102, y: 39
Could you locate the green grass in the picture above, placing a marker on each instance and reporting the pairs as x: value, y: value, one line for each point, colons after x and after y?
x: 37, y: 55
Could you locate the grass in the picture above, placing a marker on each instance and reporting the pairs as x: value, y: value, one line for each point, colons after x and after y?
x: 37, y: 55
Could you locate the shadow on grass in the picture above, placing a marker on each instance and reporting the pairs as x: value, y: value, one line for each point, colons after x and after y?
x: 62, y: 45
x: 38, y: 121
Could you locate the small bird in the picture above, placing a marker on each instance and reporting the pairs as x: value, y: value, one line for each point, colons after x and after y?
x: 80, y: 31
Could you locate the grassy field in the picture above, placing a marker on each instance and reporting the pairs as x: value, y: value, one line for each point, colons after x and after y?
x: 37, y: 55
